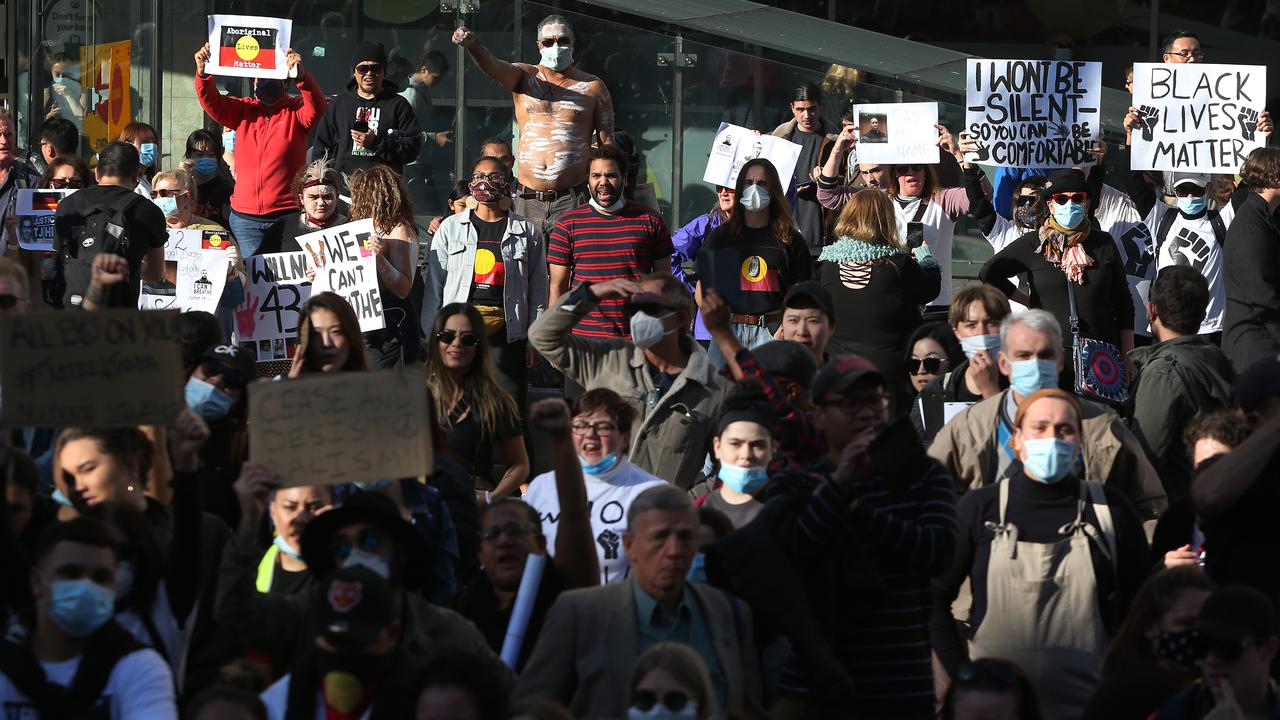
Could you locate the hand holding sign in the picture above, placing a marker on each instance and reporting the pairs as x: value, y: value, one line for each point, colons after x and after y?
x: 202, y: 58
x: 1197, y: 117
x: 247, y: 46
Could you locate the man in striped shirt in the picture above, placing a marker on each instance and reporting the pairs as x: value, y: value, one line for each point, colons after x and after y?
x: 607, y: 239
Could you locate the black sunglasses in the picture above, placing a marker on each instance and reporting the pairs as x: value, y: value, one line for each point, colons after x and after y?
x: 513, y: 530
x: 65, y: 183
x: 448, y: 336
x: 1227, y: 650
x: 1024, y: 200
x: 563, y: 40
x: 904, y: 169
x: 1188, y: 190
x: 930, y: 365
x: 368, y: 69
x: 366, y: 540
x: 229, y: 376
x: 673, y: 700
x: 648, y: 307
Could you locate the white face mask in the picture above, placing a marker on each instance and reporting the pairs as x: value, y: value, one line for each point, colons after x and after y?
x: 556, y: 57
x: 647, y: 330
x: 755, y: 197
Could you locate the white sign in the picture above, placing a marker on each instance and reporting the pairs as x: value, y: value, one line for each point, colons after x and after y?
x: 344, y: 266
x: 157, y: 296
x: 734, y: 146
x: 1033, y: 113
x: 201, y: 279
x: 35, y: 210
x: 272, y: 308
x: 1197, y: 118
x: 248, y: 46
x: 897, y: 133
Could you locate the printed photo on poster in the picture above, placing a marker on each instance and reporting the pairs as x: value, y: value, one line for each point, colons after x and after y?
x: 733, y: 146
x: 248, y: 46
x: 1033, y: 113
x: 35, y: 210
x: 897, y: 133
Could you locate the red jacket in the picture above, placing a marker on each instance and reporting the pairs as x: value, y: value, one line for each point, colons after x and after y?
x: 271, y: 145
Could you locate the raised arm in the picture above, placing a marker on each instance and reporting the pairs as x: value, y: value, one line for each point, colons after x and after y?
x: 1219, y: 485
x: 182, y: 574
x: 508, y: 75
x: 575, y: 553
x: 604, y: 112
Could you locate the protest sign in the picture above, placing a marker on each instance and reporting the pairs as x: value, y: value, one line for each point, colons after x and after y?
x: 272, y: 307
x: 1195, y: 117
x: 110, y: 368
x: 1033, y: 113
x: 345, y: 266
x: 35, y: 210
x: 342, y: 427
x: 897, y: 133
x: 734, y: 146
x: 248, y: 46
x: 201, y: 279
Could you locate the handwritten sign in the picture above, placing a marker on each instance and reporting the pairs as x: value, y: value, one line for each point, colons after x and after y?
x: 897, y: 133
x: 342, y: 427
x: 35, y: 210
x: 109, y: 368
x: 1033, y: 113
x: 1197, y: 118
x: 248, y: 46
x: 272, y: 307
x: 735, y: 145
x: 345, y: 266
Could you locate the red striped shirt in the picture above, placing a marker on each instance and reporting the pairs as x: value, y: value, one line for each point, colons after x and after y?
x: 603, y: 247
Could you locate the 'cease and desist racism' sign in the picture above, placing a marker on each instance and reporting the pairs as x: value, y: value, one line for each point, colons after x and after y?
x: 1195, y: 117
x: 247, y: 46
x: 1033, y: 113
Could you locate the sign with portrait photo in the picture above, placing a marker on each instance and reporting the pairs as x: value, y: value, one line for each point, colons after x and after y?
x: 35, y: 210
x: 248, y: 46
x: 734, y: 146
x: 897, y: 133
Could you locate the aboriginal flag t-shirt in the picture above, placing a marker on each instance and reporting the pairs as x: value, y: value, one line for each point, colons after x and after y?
x: 752, y: 271
x: 487, y: 274
x: 243, y: 46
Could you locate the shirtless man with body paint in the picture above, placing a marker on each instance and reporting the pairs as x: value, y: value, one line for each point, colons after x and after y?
x: 558, y: 108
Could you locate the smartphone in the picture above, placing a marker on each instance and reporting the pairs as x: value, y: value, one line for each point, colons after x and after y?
x: 897, y: 451
x: 915, y: 235
x: 361, y: 126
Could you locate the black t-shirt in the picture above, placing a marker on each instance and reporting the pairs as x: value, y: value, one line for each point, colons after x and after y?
x: 753, y: 270
x: 473, y: 447
x: 1240, y: 545
x: 488, y: 276
x: 144, y: 226
x: 215, y: 199
x: 739, y: 515
x: 285, y: 582
x: 479, y: 604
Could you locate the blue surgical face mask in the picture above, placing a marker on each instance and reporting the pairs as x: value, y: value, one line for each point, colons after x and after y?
x: 1048, y: 460
x: 1069, y: 215
x: 745, y: 480
x: 556, y: 57
x: 229, y: 141
x: 205, y: 166
x: 977, y: 343
x: 147, y: 154
x: 61, y: 498
x: 283, y: 546
x: 207, y: 400
x: 1193, y: 205
x: 602, y: 467
x: 167, y: 205
x: 80, y: 607
x: 1029, y: 376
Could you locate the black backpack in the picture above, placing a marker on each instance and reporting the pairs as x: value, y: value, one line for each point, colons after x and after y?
x: 103, y: 231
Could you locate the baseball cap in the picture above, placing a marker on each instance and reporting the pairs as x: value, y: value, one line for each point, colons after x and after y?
x: 1174, y: 179
x: 1235, y: 613
x: 1258, y: 382
x: 352, y: 604
x: 788, y: 359
x: 841, y: 373
x: 810, y: 293
x: 239, y: 364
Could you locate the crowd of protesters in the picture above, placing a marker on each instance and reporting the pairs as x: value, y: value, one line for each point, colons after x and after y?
x: 799, y: 470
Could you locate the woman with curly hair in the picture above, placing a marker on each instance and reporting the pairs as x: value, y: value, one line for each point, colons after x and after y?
x: 379, y: 194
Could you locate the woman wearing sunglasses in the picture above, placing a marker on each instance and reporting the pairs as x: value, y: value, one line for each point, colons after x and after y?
x: 480, y: 419
x: 932, y: 351
x: 1069, y: 251
x: 379, y: 193
x: 670, y: 682
x: 65, y: 172
x: 328, y: 338
x: 494, y: 259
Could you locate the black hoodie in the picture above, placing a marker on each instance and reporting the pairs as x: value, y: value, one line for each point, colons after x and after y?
x: 390, y: 118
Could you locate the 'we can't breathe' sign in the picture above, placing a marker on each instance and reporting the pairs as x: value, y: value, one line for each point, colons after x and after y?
x: 1196, y: 117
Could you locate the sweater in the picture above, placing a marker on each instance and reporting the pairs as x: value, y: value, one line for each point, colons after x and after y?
x: 1251, y: 270
x: 390, y: 120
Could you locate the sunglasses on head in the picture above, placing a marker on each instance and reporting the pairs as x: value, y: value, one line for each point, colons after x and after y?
x: 1024, y: 200
x: 368, y: 69
x: 673, y: 700
x: 1064, y: 198
x: 563, y: 40
x: 924, y: 366
x: 448, y: 336
x: 1188, y: 190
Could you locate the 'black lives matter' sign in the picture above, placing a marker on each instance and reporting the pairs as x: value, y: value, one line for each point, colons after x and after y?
x: 1195, y: 117
x: 1033, y: 113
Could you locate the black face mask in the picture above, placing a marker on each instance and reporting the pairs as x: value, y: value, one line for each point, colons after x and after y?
x: 1180, y: 649
x: 1031, y: 216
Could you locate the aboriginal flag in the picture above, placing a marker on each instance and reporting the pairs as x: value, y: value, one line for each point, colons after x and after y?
x: 45, y: 201
x: 757, y: 276
x: 488, y: 271
x: 247, y: 47
x: 214, y: 240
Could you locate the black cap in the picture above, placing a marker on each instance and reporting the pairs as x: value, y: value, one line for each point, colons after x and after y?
x: 837, y: 376
x: 1260, y: 381
x: 788, y: 359
x: 375, y: 509
x: 236, y: 363
x: 352, y: 604
x: 1236, y: 613
x: 368, y: 51
x: 811, y: 294
x: 1066, y: 181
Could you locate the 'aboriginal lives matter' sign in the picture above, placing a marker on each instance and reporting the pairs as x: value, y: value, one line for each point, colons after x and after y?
x: 1033, y: 113
x: 1197, y: 118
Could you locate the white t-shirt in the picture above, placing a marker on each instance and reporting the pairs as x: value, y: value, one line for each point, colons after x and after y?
x: 607, y: 504
x: 140, y: 687
x: 939, y: 230
x: 172, y: 637
x: 1193, y: 243
x: 276, y: 698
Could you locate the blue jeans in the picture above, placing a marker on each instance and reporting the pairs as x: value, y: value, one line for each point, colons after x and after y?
x: 248, y: 231
x: 749, y: 336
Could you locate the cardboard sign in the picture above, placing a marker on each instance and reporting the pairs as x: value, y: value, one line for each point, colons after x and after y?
x: 272, y: 307
x: 1195, y: 117
x: 734, y: 146
x: 897, y: 133
x: 35, y: 210
x: 345, y: 266
x: 110, y: 368
x: 342, y: 427
x: 248, y: 46
x: 1033, y: 113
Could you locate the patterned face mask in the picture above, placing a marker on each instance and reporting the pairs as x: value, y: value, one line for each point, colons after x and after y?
x: 1179, y: 648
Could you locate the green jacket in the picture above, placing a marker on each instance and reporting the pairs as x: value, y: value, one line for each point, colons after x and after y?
x: 672, y: 438
x: 1176, y: 380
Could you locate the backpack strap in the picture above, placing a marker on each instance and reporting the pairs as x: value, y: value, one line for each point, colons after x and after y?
x: 1106, y: 527
x: 1219, y: 227
x: 1164, y: 225
x: 109, y: 645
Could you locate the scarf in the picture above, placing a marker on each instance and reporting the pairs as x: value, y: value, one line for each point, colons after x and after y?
x: 850, y: 249
x: 1061, y: 247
